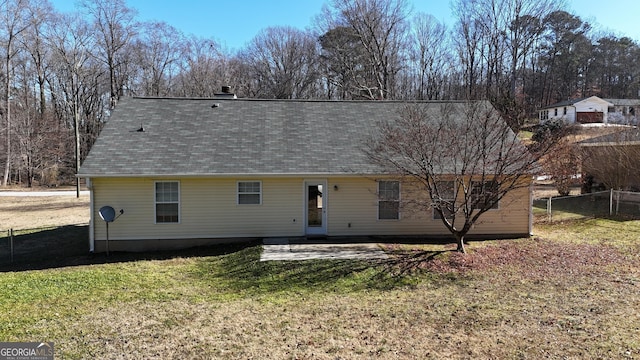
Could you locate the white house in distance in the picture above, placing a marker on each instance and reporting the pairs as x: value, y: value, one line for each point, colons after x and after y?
x: 582, y: 111
x: 624, y: 111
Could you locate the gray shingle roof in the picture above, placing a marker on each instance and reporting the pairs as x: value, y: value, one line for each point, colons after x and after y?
x: 185, y: 137
x: 624, y: 102
x: 563, y: 103
x: 629, y: 136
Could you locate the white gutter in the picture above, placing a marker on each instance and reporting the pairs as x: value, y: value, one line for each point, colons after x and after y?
x: 234, y: 175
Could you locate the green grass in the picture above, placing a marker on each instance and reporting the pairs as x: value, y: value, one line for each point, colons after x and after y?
x: 525, y: 135
x: 572, y: 292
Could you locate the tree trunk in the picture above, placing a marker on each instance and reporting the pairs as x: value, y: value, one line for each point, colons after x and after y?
x: 460, y: 243
x: 7, y: 166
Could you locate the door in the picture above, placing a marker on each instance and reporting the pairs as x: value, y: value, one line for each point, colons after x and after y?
x: 315, y: 207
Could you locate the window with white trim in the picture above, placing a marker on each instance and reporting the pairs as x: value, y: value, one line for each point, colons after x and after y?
x: 445, y: 199
x: 249, y: 192
x: 483, y: 193
x: 167, y: 198
x: 388, y: 200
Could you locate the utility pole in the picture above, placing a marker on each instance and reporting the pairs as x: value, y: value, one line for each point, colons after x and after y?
x: 77, y: 131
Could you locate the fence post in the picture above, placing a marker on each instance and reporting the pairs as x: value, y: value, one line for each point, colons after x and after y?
x: 610, y: 202
x: 11, y: 243
x: 618, y: 201
x: 549, y: 208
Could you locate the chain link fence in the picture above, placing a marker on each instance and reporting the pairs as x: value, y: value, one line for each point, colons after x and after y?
x: 42, y: 245
x: 599, y: 204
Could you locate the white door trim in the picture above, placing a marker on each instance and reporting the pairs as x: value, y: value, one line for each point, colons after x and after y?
x: 318, y: 229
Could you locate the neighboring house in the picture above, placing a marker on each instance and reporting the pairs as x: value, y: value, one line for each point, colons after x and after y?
x: 191, y: 172
x: 611, y: 161
x: 581, y: 111
x: 623, y: 111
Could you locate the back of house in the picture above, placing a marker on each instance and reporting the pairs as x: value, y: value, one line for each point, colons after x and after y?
x: 190, y: 172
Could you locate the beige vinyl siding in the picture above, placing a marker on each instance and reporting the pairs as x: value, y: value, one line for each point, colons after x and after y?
x: 512, y: 216
x: 209, y: 209
x: 355, y: 203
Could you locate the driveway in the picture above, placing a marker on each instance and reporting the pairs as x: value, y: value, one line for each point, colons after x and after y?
x: 281, y: 249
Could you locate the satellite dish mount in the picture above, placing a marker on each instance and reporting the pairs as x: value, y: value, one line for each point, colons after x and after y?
x: 108, y: 214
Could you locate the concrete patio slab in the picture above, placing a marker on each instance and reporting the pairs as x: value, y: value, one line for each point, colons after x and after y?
x: 283, y: 249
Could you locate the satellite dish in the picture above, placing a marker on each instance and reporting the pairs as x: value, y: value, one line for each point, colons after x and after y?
x: 107, y: 213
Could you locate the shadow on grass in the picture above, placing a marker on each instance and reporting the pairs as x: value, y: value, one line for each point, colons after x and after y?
x: 243, y: 271
x: 69, y: 246
x: 238, y: 266
x: 41, y: 246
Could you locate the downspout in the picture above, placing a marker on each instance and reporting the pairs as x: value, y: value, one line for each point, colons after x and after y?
x: 91, y: 217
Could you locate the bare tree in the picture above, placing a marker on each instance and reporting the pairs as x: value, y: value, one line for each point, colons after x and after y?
x: 114, y: 30
x: 470, y: 50
x: 159, y: 48
x: 282, y: 62
x: 562, y: 164
x: 78, y: 83
x: 611, y: 161
x: 205, y: 68
x: 493, y: 39
x: 34, y: 42
x: 429, y: 57
x: 381, y: 27
x: 463, y: 155
x: 14, y: 15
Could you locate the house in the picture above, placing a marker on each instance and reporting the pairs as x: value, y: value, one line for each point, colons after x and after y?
x: 581, y: 111
x: 623, y: 111
x: 190, y: 172
x: 610, y: 161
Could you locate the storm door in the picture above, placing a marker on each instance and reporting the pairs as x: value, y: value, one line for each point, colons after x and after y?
x: 315, y: 207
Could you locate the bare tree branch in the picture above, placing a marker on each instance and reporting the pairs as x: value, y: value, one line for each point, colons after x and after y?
x: 462, y: 154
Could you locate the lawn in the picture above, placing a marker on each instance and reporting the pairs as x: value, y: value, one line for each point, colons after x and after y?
x: 570, y: 292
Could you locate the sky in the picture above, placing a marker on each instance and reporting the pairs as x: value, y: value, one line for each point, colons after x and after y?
x: 233, y: 23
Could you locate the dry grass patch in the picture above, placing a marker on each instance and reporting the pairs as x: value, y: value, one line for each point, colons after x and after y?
x: 571, y: 293
x: 30, y: 212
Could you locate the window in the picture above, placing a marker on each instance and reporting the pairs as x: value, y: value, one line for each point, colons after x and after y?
x: 167, y: 201
x: 249, y: 193
x: 565, y: 110
x: 544, y: 115
x: 483, y: 193
x: 555, y: 112
x: 446, y: 202
x: 388, y: 200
